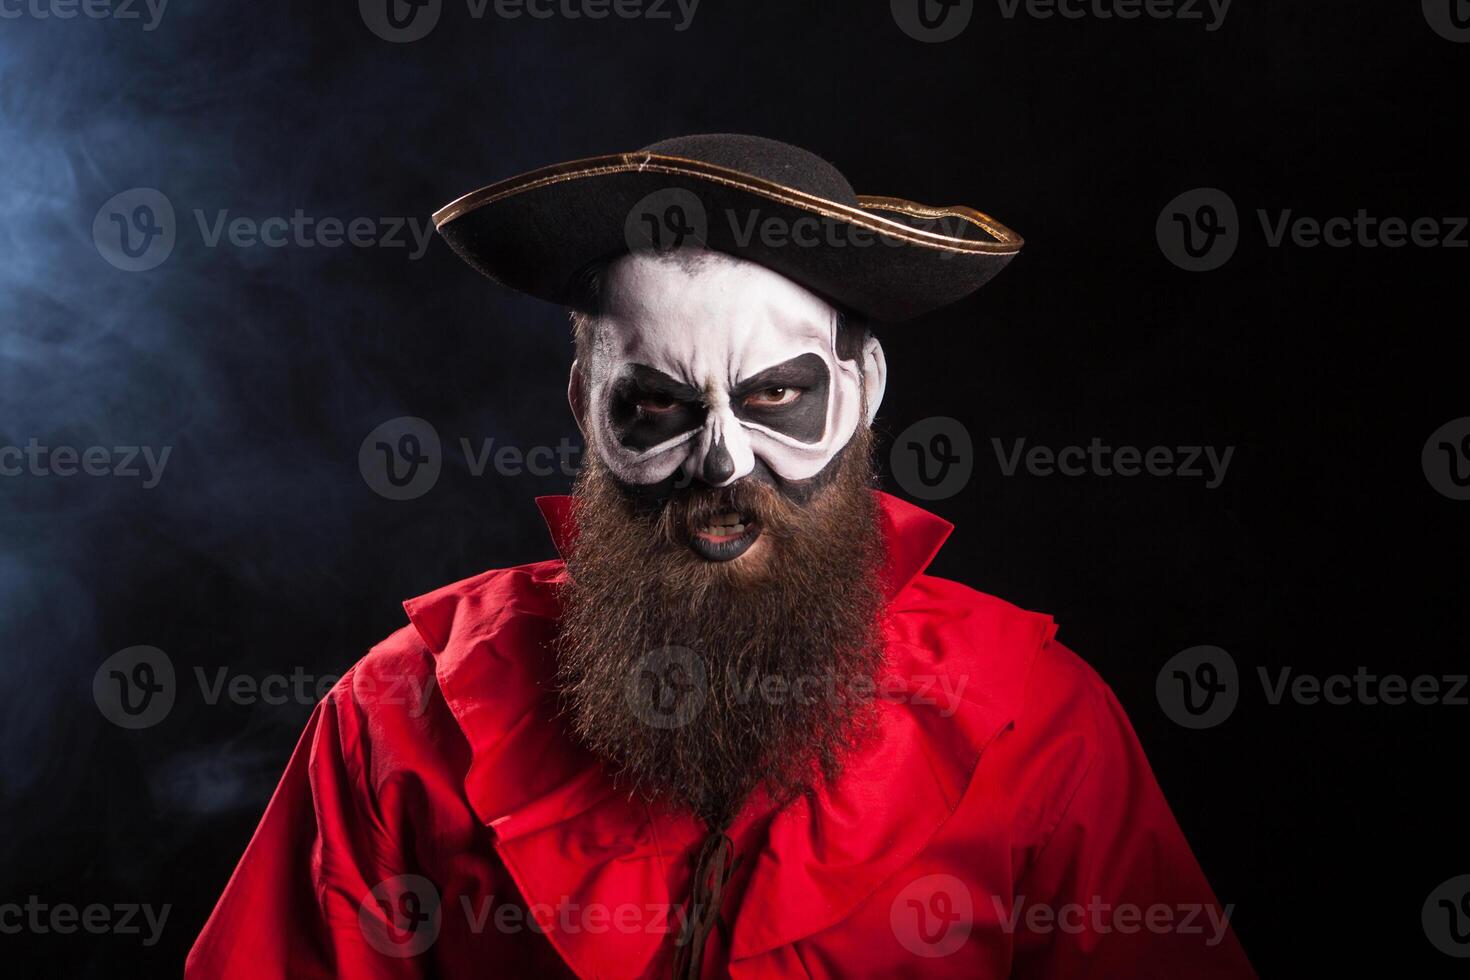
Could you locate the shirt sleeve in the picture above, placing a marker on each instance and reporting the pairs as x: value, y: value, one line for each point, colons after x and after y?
x: 302, y: 902
x: 1115, y: 890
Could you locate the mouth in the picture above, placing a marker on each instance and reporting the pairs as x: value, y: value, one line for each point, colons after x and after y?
x: 725, y: 536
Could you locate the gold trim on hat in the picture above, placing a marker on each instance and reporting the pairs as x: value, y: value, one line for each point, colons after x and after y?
x: 1007, y: 242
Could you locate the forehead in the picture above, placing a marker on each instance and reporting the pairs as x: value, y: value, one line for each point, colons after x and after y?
x: 692, y: 304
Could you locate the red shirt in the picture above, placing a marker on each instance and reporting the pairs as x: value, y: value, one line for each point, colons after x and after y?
x: 436, y: 820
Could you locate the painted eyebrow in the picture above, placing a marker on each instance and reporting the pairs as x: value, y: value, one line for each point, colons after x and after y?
x: 654, y: 382
x: 803, y: 371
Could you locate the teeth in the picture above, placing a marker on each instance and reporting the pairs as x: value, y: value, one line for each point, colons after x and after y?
x: 726, y: 524
x: 720, y: 530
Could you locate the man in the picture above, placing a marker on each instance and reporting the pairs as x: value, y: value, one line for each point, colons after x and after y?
x: 737, y: 730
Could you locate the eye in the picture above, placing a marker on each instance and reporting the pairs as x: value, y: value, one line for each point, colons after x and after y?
x: 772, y: 397
x: 652, y: 404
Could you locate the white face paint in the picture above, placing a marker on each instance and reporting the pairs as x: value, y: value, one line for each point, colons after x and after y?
x: 703, y: 364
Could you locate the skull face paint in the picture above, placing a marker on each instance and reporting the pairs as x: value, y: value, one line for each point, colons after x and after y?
x: 707, y: 367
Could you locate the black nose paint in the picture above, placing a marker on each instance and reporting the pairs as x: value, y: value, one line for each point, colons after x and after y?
x: 718, y: 466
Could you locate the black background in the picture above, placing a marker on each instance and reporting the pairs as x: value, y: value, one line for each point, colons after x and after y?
x: 263, y: 549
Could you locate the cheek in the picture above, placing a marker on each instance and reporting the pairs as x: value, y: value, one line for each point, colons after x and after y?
x: 791, y: 462
x: 812, y: 439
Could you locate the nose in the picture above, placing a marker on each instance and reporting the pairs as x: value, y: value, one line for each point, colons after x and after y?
x: 726, y: 452
x: 719, y: 466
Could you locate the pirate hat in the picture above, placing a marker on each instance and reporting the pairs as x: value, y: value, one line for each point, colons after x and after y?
x: 885, y: 258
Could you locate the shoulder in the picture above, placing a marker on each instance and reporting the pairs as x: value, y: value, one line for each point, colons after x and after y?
x: 1065, y: 688
x: 1059, y: 725
x: 486, y: 601
x: 1051, y: 698
x: 1055, y: 679
x: 991, y: 645
x: 397, y: 691
x: 952, y: 610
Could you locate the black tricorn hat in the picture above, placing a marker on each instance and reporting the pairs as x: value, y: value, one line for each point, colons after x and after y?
x: 884, y: 258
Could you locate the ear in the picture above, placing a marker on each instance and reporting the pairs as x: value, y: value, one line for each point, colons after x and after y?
x: 577, y: 397
x: 875, y: 375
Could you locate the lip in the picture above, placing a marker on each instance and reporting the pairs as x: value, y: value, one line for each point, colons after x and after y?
x: 724, y: 548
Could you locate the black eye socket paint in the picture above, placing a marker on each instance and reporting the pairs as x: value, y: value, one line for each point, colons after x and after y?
x: 640, y: 430
x: 803, y: 418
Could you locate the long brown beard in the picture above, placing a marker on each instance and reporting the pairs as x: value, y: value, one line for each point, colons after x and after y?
x: 700, y: 681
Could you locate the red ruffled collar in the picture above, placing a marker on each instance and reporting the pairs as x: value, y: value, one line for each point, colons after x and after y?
x: 567, y: 836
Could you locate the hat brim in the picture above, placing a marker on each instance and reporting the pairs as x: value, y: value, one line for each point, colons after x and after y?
x: 885, y: 258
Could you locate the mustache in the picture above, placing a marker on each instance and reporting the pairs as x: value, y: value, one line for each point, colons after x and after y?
x: 698, y: 506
